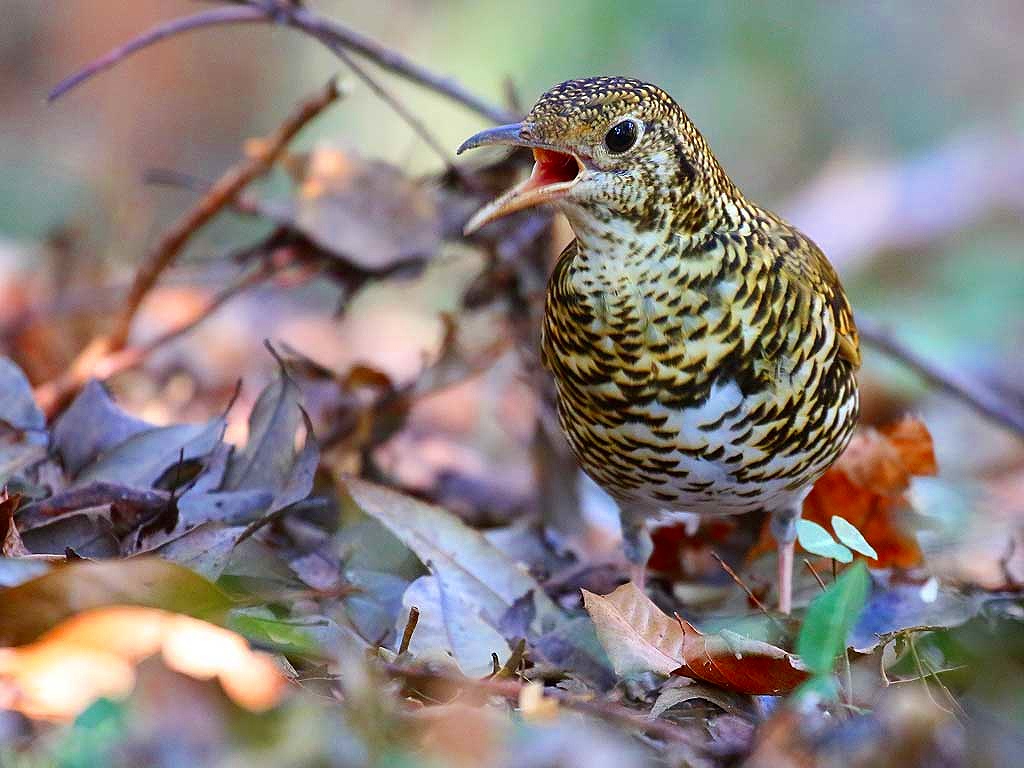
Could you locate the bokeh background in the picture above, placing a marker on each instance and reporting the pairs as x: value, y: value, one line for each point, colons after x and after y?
x: 892, y: 133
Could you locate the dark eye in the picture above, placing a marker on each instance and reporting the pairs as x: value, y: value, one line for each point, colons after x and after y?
x: 621, y: 136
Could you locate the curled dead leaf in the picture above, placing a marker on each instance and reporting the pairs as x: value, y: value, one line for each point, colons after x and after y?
x: 639, y: 637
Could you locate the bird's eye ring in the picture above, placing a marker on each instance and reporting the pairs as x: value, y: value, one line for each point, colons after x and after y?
x: 622, y: 136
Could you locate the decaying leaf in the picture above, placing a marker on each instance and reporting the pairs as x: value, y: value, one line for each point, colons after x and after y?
x: 638, y: 637
x: 266, y: 461
x: 18, y: 409
x: 467, y: 560
x: 367, y: 211
x: 94, y: 654
x: 91, y: 426
x: 472, y: 586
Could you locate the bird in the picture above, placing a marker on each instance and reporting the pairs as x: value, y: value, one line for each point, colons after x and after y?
x: 703, y: 349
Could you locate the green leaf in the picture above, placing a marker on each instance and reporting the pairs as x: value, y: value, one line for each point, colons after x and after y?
x: 830, y: 617
x: 847, y: 533
x: 818, y: 541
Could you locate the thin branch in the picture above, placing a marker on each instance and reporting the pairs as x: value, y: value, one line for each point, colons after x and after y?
x: 410, y: 627
x: 233, y: 15
x: 399, y: 108
x: 814, y: 573
x: 101, y: 353
x: 103, y: 365
x: 980, y: 397
x: 220, y: 195
x: 325, y: 30
x: 510, y: 689
x: 393, y: 61
x: 742, y: 585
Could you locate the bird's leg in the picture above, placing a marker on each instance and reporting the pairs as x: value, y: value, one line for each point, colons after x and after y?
x: 783, y: 527
x: 638, y: 546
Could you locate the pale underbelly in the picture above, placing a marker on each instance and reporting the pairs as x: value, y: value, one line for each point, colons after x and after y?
x: 705, y: 459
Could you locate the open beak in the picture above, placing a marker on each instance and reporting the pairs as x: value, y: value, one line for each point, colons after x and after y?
x: 554, y: 174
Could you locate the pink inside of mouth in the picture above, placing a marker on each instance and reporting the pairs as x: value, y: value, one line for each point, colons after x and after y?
x: 553, y: 168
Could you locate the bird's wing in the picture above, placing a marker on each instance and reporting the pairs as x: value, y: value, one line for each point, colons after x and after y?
x: 806, y: 265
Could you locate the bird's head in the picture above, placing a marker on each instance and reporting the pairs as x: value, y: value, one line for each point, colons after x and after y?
x: 610, y: 152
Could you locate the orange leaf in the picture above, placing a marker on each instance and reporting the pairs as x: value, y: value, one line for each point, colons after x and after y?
x: 737, y: 663
x: 639, y: 637
x: 866, y: 487
x: 94, y: 654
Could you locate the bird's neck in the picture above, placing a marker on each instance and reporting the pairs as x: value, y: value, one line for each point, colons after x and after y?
x: 674, y: 226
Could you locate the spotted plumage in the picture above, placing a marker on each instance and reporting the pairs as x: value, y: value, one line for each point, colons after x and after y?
x: 702, y: 348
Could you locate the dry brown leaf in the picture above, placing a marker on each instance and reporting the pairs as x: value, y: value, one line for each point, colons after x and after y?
x: 368, y: 211
x: 634, y: 632
x: 639, y: 637
x: 94, y: 654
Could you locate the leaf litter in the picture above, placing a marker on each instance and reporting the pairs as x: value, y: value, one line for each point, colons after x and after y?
x: 306, y: 542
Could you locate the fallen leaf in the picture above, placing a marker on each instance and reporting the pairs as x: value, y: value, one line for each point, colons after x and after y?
x: 144, y: 458
x: 94, y: 654
x: 35, y: 606
x: 866, y: 487
x: 900, y: 606
x: 638, y: 637
x: 90, y: 532
x: 266, y: 461
x: 11, y: 544
x: 679, y: 690
x: 885, y: 460
x: 91, y: 425
x: 18, y: 408
x: 206, y: 549
x: 367, y: 211
x: 463, y: 557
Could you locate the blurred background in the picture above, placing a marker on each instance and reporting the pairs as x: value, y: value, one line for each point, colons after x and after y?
x: 892, y: 133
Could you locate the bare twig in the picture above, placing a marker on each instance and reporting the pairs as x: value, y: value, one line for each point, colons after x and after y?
x: 325, y: 30
x: 393, y: 61
x: 233, y: 15
x: 219, y: 196
x: 742, y: 585
x: 103, y: 352
x: 399, y: 108
x: 410, y: 627
x: 981, y: 398
x: 506, y: 688
x: 814, y: 573
x: 104, y: 365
